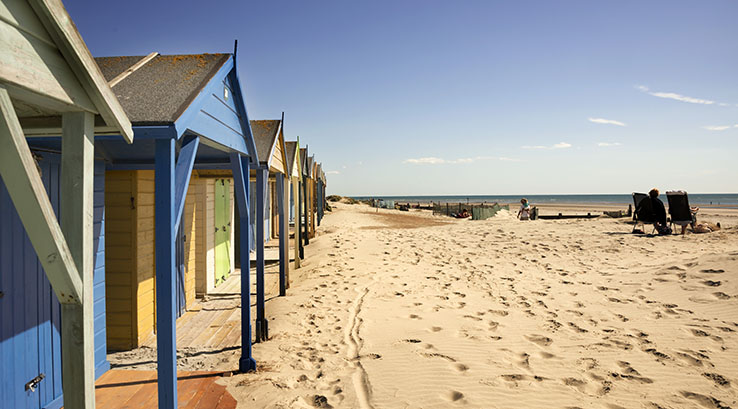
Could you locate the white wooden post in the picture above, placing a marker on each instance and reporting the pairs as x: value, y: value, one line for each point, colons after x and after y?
x: 77, y: 210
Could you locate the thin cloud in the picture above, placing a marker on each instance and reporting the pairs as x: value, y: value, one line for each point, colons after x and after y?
x: 606, y: 121
x: 717, y: 127
x: 332, y: 172
x: 676, y: 97
x: 560, y: 145
x: 431, y: 160
x: 607, y: 144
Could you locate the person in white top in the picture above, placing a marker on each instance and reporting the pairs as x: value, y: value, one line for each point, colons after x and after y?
x: 524, y: 212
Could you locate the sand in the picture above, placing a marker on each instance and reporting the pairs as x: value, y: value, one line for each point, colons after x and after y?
x: 406, y: 310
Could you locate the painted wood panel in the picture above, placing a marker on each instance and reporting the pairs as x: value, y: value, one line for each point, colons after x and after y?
x: 277, y: 163
x: 30, y: 318
x: 120, y: 209
x: 32, y: 62
x: 144, y: 290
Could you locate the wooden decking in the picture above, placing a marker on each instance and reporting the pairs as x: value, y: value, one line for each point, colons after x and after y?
x: 215, y: 322
x: 119, y: 388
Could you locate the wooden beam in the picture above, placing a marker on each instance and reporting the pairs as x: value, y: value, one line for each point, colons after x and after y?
x: 262, y: 178
x: 61, y: 27
x: 182, y: 175
x: 21, y: 176
x: 240, y: 169
x: 130, y: 70
x: 77, y: 209
x: 166, y: 308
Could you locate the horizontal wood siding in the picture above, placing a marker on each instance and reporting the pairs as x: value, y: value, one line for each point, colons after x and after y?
x: 189, y: 220
x: 277, y: 163
x: 144, y: 290
x: 118, y: 257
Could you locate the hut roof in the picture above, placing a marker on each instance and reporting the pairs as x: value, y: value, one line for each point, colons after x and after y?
x: 291, y: 150
x: 266, y: 132
x: 160, y: 90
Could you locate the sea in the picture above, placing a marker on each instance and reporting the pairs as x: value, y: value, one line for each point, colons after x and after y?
x: 701, y: 199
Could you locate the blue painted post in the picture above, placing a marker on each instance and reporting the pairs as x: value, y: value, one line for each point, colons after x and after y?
x: 166, y: 341
x: 262, y: 330
x: 282, y: 239
x: 240, y: 168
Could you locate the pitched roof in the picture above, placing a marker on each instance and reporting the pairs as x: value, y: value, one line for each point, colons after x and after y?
x: 265, y: 133
x: 290, y: 151
x: 63, y: 32
x: 160, y: 90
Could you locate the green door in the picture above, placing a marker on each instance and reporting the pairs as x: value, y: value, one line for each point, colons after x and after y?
x: 222, y: 229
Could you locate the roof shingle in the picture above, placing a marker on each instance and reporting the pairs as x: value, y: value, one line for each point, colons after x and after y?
x: 161, y: 90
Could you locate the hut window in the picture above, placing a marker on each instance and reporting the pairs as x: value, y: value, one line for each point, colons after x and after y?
x: 225, y: 93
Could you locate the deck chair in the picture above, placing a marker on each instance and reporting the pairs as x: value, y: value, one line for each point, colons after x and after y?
x: 643, y: 211
x: 679, y: 210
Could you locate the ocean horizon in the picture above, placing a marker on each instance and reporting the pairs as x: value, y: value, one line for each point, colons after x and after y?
x: 702, y: 199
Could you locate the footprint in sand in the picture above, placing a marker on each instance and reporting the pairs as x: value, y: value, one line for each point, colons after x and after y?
x: 453, y: 396
x: 539, y: 340
x: 460, y: 367
x: 436, y: 329
x: 704, y: 400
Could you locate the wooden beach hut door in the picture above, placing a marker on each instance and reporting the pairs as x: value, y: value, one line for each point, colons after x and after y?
x: 222, y: 230
x: 30, y: 313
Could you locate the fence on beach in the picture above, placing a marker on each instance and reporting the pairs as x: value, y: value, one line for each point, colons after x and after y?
x: 477, y: 211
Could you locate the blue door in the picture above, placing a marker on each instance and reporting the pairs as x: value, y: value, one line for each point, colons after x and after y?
x: 30, y: 318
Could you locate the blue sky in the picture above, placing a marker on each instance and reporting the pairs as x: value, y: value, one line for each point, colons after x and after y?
x: 471, y: 97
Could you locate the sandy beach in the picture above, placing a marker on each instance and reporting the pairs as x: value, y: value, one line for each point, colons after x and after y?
x: 407, y: 310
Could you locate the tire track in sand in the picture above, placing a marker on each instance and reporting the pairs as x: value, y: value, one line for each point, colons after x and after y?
x: 354, y: 343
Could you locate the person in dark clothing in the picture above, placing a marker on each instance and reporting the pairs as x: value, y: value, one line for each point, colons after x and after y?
x: 659, y: 211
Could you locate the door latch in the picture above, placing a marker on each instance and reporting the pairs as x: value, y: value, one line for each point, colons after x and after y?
x: 33, y: 383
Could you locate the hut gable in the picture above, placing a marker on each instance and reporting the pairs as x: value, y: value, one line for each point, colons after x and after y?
x: 293, y: 162
x: 270, y: 144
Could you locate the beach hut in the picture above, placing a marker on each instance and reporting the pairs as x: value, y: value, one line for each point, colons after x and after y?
x: 305, y: 222
x: 52, y: 216
x: 212, y: 198
x: 320, y: 192
x: 292, y: 150
x: 269, y: 208
x: 311, y: 196
x: 188, y: 113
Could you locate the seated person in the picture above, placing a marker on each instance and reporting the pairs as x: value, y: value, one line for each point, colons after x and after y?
x: 693, y: 210
x: 705, y: 227
x: 463, y: 215
x: 524, y: 212
x: 659, y: 212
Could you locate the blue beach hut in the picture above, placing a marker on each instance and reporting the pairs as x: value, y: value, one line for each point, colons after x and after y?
x: 187, y: 112
x: 52, y: 216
